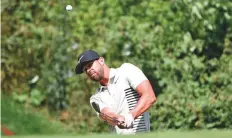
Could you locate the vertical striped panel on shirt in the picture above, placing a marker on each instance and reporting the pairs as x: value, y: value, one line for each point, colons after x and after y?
x: 132, y: 97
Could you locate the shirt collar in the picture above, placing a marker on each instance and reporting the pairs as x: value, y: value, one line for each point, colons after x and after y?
x: 113, y: 73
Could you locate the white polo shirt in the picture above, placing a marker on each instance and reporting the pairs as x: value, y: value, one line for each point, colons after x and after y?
x: 121, y: 97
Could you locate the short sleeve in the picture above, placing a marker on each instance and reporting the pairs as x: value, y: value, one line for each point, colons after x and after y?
x: 134, y: 75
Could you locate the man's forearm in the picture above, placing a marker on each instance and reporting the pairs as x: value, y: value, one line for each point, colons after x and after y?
x: 144, y: 103
x: 146, y: 100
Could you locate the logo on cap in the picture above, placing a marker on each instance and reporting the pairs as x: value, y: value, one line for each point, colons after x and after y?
x: 80, y: 59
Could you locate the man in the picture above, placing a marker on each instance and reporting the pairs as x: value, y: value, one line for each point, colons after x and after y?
x: 125, y: 93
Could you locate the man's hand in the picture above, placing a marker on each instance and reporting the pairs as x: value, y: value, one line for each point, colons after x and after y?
x: 112, y: 120
x: 123, y: 121
x: 128, y: 121
x: 110, y: 117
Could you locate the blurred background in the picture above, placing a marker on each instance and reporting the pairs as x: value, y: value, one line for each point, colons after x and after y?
x: 183, y: 46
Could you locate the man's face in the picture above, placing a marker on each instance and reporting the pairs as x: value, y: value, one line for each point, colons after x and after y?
x: 94, y: 70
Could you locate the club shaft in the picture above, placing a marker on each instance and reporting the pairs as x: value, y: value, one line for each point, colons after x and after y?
x: 110, y: 118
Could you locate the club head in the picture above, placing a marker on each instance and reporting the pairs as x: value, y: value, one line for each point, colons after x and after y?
x: 96, y: 107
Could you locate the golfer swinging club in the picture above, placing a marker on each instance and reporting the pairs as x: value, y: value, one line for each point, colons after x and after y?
x: 125, y: 94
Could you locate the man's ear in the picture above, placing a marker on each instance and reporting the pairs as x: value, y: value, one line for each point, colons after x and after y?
x: 101, y: 60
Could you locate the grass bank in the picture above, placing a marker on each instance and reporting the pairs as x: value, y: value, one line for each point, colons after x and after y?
x: 22, y: 121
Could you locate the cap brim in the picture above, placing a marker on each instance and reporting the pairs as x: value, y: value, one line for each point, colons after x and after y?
x: 79, y: 69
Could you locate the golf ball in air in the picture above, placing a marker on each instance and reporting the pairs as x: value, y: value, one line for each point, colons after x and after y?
x: 68, y: 7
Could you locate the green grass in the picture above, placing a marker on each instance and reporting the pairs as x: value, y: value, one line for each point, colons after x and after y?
x: 28, y: 124
x: 22, y: 121
x: 164, y: 134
